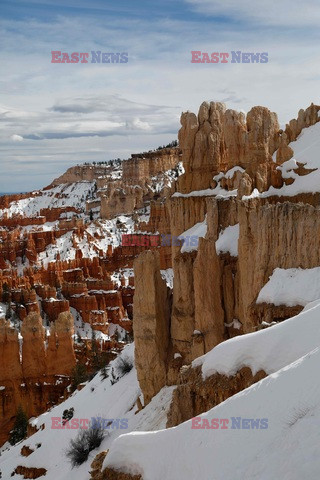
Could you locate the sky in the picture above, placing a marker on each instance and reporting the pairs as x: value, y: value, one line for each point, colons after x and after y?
x: 56, y: 115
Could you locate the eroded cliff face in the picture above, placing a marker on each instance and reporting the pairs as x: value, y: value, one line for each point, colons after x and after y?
x: 183, y: 303
x: 284, y: 235
x: 33, y: 375
x: 226, y: 155
x: 145, y: 177
x: 152, y: 329
x: 218, y: 139
x: 81, y: 173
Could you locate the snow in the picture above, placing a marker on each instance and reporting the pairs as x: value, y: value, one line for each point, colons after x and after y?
x: 191, y: 236
x: 64, y: 195
x: 84, y: 330
x: 97, y: 399
x: 269, y: 349
x: 292, y: 286
x: 237, y: 325
x: 218, y: 191
x: 97, y: 236
x: 232, y: 171
x: 228, y: 240
x: 167, y: 275
x: 288, y: 449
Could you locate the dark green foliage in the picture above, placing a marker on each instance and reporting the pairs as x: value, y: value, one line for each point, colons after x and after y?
x: 124, y: 366
x: 172, y: 144
x: 67, y: 415
x: 5, y: 293
x: 114, y: 379
x: 79, y: 375
x: 83, y: 444
x: 19, y: 431
x: 96, y: 358
x: 8, y: 311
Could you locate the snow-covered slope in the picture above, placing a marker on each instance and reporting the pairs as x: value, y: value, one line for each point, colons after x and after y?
x: 289, y: 399
x: 97, y: 399
x: 291, y: 286
x: 289, y: 449
x: 64, y: 195
x: 269, y: 349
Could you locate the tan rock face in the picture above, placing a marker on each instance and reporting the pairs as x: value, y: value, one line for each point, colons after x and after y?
x: 33, y: 351
x: 282, y: 235
x: 60, y: 354
x: 219, y: 139
x: 82, y: 173
x: 214, y: 295
x: 10, y: 366
x: 137, y: 185
x: 151, y: 325
x: 306, y: 118
x: 183, y: 305
x: 33, y: 381
x: 194, y: 395
x: 140, y: 168
x: 209, y: 315
x: 121, y: 201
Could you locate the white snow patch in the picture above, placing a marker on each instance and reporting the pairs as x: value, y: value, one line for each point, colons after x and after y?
x: 228, y: 240
x: 292, y: 286
x: 191, y: 236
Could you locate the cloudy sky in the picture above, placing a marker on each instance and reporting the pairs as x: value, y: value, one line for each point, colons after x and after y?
x: 57, y: 115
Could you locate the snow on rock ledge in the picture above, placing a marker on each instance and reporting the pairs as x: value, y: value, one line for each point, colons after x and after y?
x: 292, y: 286
x: 228, y: 240
x: 268, y: 350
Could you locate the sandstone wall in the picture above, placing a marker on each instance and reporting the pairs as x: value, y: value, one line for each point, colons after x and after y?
x: 284, y: 235
x: 143, y: 166
x: 151, y: 325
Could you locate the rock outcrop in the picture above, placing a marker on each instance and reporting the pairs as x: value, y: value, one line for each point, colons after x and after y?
x: 215, y: 292
x: 151, y: 309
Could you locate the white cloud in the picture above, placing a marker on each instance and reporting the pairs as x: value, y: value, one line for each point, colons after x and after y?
x: 68, y: 114
x: 268, y: 12
x: 16, y: 138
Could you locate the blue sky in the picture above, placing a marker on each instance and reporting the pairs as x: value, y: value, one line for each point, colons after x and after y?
x: 57, y: 115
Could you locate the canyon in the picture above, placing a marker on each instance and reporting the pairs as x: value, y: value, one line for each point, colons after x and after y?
x: 248, y: 191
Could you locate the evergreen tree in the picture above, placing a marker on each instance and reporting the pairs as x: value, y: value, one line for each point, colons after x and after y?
x: 79, y: 375
x: 20, y: 427
x: 8, y: 311
x: 5, y: 293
